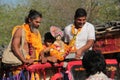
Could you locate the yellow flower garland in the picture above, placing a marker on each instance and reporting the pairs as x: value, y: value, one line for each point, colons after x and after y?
x: 73, y: 30
x: 34, y: 39
x: 72, y: 42
x: 59, y: 55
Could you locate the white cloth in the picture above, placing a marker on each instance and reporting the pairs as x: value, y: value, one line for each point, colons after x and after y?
x: 98, y: 76
x: 87, y: 32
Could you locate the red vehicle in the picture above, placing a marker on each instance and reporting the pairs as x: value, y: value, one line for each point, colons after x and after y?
x: 108, y: 38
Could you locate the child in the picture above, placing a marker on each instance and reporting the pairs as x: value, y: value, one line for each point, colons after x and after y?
x: 45, y: 55
x: 95, y: 66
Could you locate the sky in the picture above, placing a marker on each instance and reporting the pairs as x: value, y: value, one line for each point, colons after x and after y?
x: 13, y: 3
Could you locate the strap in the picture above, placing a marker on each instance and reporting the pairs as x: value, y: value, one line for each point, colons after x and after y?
x: 9, y: 45
x: 22, y: 42
x: 14, y: 29
x: 23, y: 38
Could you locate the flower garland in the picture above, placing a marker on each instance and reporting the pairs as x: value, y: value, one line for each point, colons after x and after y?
x: 72, y: 42
x: 34, y: 39
x: 73, y: 30
x: 56, y: 53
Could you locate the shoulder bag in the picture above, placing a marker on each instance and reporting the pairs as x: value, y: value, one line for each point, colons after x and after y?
x: 9, y: 57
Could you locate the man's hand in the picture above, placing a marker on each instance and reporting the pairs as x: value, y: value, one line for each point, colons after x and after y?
x: 78, y: 54
x: 44, y: 60
x: 29, y: 61
x: 47, y: 49
x: 52, y: 59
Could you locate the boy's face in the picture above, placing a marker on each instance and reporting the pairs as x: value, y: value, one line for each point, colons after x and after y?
x: 48, y: 44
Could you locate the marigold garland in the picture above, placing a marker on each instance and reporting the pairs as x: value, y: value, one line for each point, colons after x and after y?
x: 34, y: 39
x: 73, y: 30
x: 72, y: 42
x: 59, y: 55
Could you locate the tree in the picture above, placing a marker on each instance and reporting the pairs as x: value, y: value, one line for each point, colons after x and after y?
x: 57, y: 12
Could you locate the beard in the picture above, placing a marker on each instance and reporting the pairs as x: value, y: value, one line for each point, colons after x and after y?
x: 79, y: 25
x: 33, y: 28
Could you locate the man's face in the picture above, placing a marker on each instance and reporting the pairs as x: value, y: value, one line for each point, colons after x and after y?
x: 36, y: 22
x: 80, y: 21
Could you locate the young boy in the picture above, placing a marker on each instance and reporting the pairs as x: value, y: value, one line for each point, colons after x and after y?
x: 45, y: 55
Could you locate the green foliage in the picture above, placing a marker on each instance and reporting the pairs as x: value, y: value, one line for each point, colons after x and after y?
x: 110, y: 11
x: 10, y: 18
x: 56, y: 12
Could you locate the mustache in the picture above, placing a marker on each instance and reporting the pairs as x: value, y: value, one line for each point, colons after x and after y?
x: 33, y: 26
x: 81, y: 24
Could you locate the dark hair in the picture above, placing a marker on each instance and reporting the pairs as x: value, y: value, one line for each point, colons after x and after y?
x: 93, y: 62
x: 48, y: 37
x: 32, y: 15
x: 80, y: 12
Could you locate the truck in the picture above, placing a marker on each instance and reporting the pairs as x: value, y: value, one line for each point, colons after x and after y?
x: 108, y: 38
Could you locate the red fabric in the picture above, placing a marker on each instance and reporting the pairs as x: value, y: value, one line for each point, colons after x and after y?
x: 56, y: 76
x: 111, y: 61
x: 73, y: 63
x: 39, y: 66
x: 34, y: 67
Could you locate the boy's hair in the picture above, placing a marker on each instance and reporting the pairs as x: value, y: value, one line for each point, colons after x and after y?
x: 48, y: 37
x: 93, y: 62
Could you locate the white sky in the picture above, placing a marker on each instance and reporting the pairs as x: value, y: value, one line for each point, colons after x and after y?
x: 13, y: 3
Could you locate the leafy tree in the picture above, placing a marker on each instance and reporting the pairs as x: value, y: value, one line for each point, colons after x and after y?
x: 56, y: 12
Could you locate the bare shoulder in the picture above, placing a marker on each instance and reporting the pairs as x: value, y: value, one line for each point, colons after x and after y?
x: 18, y: 33
x: 17, y: 36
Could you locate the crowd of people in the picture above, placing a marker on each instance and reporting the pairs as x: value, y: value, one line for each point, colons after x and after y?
x: 77, y: 38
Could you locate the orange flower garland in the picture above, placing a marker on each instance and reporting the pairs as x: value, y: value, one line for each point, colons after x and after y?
x: 34, y: 39
x: 73, y: 30
x: 72, y: 42
x: 59, y: 55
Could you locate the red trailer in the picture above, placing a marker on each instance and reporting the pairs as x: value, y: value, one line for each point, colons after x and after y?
x: 108, y: 39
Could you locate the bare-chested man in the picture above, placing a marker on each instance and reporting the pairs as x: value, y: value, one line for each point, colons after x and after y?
x: 32, y: 43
